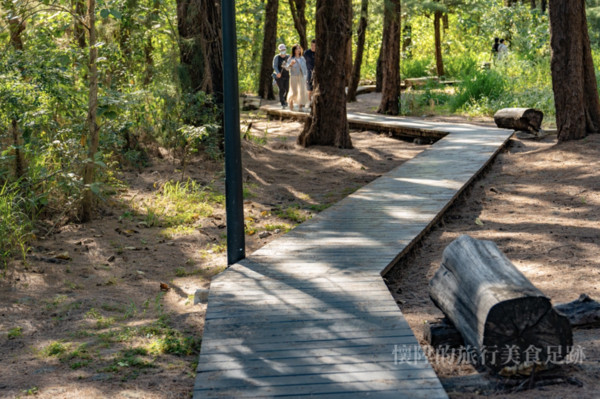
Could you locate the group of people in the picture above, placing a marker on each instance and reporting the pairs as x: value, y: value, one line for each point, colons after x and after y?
x: 294, y: 75
x: 499, y: 49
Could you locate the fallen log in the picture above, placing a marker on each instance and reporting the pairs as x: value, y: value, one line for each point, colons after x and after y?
x: 582, y: 312
x: 442, y: 334
x: 523, y: 119
x: 508, y: 323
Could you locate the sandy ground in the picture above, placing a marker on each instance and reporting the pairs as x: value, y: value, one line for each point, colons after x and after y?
x: 97, y: 324
x: 540, y: 203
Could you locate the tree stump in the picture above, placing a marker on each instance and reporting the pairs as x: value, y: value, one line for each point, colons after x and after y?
x: 507, y: 323
x: 524, y: 119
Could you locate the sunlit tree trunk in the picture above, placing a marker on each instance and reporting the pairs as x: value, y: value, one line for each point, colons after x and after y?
x: 360, y: 46
x: 439, y: 61
x: 265, y: 86
x: 390, y: 95
x: 87, y: 208
x: 328, y: 124
x: 298, y: 9
x: 16, y: 28
x: 573, y: 76
x: 78, y: 27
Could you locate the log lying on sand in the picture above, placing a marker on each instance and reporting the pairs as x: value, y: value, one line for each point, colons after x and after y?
x: 520, y: 119
x: 582, y: 312
x: 507, y: 322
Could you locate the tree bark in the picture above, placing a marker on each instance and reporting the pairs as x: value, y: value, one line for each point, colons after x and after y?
x: 87, y: 204
x: 499, y: 313
x: 525, y: 119
x: 78, y: 27
x: 390, y: 96
x: 16, y: 26
x: 194, y: 72
x: 17, y: 143
x: 360, y: 47
x: 407, y: 40
x: 582, y: 312
x: 379, y: 70
x: 212, y: 47
x: 265, y: 86
x: 328, y: 123
x: 573, y: 77
x: 298, y: 9
x: 439, y: 61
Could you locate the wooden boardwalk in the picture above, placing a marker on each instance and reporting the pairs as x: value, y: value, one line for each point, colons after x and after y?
x: 403, y: 127
x: 309, y: 314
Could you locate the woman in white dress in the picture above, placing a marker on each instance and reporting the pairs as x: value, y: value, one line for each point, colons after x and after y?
x: 298, y: 72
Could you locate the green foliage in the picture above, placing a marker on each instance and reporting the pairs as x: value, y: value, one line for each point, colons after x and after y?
x: 15, y: 223
x: 483, y: 85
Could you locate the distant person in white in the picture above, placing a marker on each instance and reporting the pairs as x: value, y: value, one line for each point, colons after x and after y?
x: 502, y: 50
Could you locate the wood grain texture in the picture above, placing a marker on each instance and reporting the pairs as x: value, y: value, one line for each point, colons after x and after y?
x: 309, y: 314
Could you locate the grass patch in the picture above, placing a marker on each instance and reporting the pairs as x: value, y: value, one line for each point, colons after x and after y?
x: 283, y: 227
x: 177, y: 231
x: 15, y: 225
x: 16, y: 332
x: 181, y: 203
x: 55, y: 349
x: 292, y: 213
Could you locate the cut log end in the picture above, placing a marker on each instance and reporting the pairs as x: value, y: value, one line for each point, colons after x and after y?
x: 525, y: 331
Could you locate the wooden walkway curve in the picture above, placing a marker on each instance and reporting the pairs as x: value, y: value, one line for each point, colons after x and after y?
x: 309, y: 314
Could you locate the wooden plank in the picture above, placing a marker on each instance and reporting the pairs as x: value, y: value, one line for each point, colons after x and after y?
x: 308, y: 314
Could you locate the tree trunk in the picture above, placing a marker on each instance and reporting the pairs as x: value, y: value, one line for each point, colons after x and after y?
x: 360, y: 47
x: 328, y: 124
x: 78, y: 27
x: 439, y: 62
x: 573, y: 77
x: 87, y: 204
x: 298, y: 9
x: 17, y: 143
x: 379, y: 71
x: 544, y: 5
x: 265, y: 86
x: 390, y: 96
x: 194, y: 72
x: 348, y: 63
x: 16, y: 26
x: 407, y: 40
x: 500, y: 314
x: 525, y: 119
x: 212, y: 47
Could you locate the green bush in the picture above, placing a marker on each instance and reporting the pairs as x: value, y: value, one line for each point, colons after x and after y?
x: 15, y: 225
x: 482, y: 85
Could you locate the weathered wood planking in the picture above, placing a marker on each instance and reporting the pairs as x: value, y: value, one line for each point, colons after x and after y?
x: 309, y: 315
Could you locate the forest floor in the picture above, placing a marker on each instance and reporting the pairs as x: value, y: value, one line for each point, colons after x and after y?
x: 85, y: 315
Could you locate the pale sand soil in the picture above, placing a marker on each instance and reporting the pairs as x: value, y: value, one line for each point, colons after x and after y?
x: 51, y: 302
x: 540, y: 203
x: 543, y: 213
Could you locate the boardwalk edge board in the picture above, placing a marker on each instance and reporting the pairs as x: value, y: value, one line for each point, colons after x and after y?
x: 309, y: 314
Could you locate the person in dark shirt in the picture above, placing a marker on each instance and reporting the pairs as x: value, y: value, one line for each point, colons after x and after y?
x: 281, y: 75
x: 309, y: 56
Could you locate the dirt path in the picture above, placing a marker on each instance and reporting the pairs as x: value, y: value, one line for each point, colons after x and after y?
x: 540, y: 203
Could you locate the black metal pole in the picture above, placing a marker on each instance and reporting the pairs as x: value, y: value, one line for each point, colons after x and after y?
x: 236, y: 250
